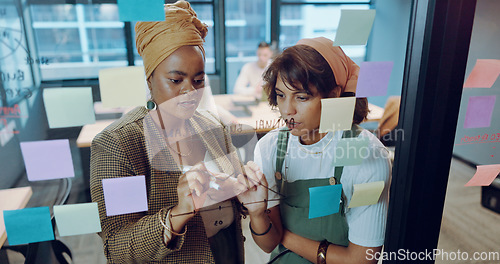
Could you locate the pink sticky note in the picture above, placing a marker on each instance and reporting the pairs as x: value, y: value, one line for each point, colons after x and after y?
x: 47, y: 160
x: 125, y: 195
x: 485, y: 175
x: 484, y: 74
x: 374, y: 78
x: 479, y: 111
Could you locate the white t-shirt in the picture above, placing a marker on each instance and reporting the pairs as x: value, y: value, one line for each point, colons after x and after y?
x: 366, y: 223
x: 250, y: 76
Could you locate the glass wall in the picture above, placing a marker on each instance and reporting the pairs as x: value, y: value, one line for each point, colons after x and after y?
x: 471, y: 216
x: 77, y: 40
x: 307, y: 20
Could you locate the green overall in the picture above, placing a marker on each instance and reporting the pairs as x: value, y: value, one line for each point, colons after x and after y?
x: 294, y: 207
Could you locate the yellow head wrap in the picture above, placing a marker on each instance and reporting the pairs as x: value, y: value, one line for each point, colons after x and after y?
x: 155, y: 41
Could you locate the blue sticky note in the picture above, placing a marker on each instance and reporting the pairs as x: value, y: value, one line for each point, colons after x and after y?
x: 77, y: 219
x: 374, y: 78
x: 140, y: 10
x: 324, y: 200
x: 28, y: 225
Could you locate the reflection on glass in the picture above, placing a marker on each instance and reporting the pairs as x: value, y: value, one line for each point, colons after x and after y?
x: 107, y: 44
x: 60, y: 45
x: 46, y: 13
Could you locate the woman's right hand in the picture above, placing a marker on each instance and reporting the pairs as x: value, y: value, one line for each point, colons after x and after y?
x: 191, y: 191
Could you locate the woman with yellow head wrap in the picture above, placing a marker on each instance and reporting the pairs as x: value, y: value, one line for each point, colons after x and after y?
x: 168, y: 146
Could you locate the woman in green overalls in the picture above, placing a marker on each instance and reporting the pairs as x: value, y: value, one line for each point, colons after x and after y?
x: 298, y: 157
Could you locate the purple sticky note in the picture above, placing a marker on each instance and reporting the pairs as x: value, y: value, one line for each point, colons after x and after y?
x: 47, y: 160
x: 374, y: 78
x: 479, y: 111
x: 125, y: 195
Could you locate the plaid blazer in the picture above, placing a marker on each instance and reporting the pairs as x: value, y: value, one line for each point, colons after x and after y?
x: 119, y: 151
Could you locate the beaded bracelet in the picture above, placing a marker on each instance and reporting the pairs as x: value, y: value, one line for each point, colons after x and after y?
x: 167, y: 226
x: 265, y: 232
x: 322, y: 248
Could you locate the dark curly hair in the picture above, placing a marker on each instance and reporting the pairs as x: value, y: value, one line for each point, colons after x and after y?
x: 302, y: 66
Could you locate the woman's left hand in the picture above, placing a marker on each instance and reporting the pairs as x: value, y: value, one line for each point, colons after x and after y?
x: 255, y: 197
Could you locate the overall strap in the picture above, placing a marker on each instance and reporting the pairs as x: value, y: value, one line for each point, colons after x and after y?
x: 280, y: 154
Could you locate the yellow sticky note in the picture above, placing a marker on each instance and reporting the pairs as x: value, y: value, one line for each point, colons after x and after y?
x: 366, y: 193
x: 122, y: 87
x: 354, y: 27
x: 336, y: 114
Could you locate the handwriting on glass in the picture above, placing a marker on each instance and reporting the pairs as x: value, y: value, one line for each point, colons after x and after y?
x: 485, y: 138
x: 12, y: 76
x: 9, y: 112
x: 269, y: 124
x: 41, y: 60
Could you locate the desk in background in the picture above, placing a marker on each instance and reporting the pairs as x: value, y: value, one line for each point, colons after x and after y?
x: 12, y: 199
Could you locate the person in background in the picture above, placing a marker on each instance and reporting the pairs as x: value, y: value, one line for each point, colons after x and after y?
x: 249, y: 81
x: 299, y: 156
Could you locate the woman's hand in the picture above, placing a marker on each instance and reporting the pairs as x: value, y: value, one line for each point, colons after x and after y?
x: 191, y: 191
x: 255, y: 196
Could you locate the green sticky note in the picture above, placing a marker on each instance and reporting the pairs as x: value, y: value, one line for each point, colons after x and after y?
x: 123, y: 87
x: 351, y: 151
x: 366, y: 193
x: 336, y: 114
x: 77, y: 219
x: 69, y: 107
x: 324, y: 200
x: 28, y: 225
x: 354, y: 27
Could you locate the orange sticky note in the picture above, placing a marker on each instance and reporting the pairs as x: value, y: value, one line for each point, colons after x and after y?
x: 484, y: 74
x: 485, y: 175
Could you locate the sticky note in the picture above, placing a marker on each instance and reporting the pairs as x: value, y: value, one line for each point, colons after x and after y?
x: 125, y: 195
x: 479, y: 111
x: 351, y: 151
x: 69, y: 107
x: 336, y: 114
x: 374, y: 78
x: 140, y: 10
x: 121, y: 87
x: 324, y: 200
x: 484, y: 74
x: 28, y: 225
x: 354, y: 27
x: 366, y: 193
x: 77, y: 219
x: 47, y: 160
x: 485, y: 175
